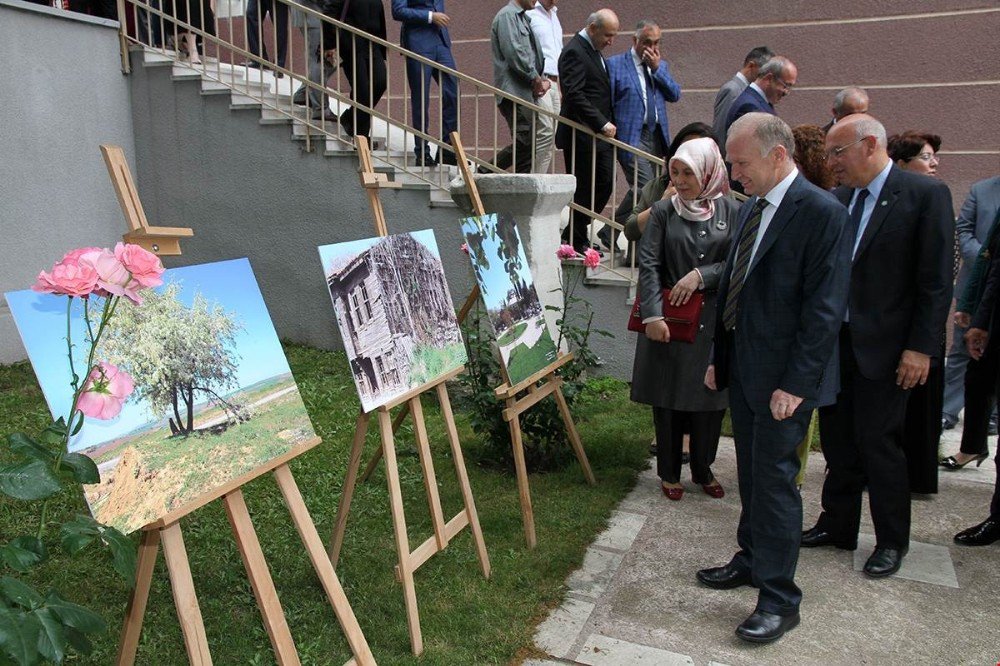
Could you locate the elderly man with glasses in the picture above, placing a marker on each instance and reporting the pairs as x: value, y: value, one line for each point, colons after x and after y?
x: 775, y: 79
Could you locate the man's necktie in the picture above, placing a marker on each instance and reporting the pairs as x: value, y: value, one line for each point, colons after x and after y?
x: 650, y: 100
x: 855, y: 220
x: 747, y: 239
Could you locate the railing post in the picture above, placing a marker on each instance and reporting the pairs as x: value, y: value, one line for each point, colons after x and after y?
x: 123, y: 37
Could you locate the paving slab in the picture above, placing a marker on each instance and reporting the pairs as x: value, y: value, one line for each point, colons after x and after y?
x: 557, y: 634
x: 603, y: 651
x: 925, y: 562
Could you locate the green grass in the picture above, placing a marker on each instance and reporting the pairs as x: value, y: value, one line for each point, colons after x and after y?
x: 466, y: 619
x: 525, y: 361
x: 512, y: 334
x: 431, y: 362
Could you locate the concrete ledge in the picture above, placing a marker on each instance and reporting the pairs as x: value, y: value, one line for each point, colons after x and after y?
x: 59, y: 13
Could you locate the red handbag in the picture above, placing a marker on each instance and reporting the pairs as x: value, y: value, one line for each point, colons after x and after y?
x: 682, y: 320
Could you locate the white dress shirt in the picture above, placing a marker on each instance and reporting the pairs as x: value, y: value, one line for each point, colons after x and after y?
x: 742, y: 78
x: 640, y: 69
x: 774, y: 199
x: 760, y: 91
x: 874, y: 190
x: 549, y: 35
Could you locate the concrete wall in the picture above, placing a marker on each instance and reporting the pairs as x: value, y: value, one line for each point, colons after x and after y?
x: 63, y: 95
x: 248, y: 190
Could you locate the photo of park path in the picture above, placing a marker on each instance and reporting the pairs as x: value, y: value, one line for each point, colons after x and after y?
x: 526, y: 347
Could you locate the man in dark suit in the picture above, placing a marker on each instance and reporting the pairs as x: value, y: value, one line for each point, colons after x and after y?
x: 586, y: 99
x: 775, y: 79
x: 781, y: 301
x: 425, y: 31
x: 362, y: 60
x: 732, y: 89
x: 902, y: 230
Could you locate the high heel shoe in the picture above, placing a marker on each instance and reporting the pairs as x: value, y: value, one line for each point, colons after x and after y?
x: 672, y: 493
x: 951, y: 462
x: 714, y: 489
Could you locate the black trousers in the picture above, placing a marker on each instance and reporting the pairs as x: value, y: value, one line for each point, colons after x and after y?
x: 523, y: 126
x: 922, y: 429
x: 594, y: 176
x: 862, y: 438
x: 995, y: 502
x: 365, y: 71
x: 256, y: 11
x: 705, y: 429
x: 770, y: 525
x: 980, y: 397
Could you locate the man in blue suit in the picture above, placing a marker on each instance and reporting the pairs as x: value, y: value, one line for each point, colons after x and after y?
x: 781, y: 303
x: 425, y: 31
x: 775, y: 79
x: 641, y: 85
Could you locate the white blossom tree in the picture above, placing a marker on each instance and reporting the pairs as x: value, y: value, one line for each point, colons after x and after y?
x: 174, y: 351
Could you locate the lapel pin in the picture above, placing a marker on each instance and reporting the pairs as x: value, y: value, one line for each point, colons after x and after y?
x: 884, y: 202
x: 721, y: 225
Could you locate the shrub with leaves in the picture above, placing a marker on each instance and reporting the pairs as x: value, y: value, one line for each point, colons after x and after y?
x: 36, y: 626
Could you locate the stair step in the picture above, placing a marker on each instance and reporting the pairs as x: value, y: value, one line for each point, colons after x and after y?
x: 185, y: 71
x: 151, y: 58
x: 621, y: 276
x: 209, y: 87
x: 238, y: 101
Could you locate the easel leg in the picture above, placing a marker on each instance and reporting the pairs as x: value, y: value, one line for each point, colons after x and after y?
x: 149, y: 546
x: 260, y: 579
x: 574, y: 436
x: 427, y: 466
x: 377, y: 456
x: 399, y: 531
x: 324, y: 569
x: 347, y: 493
x: 463, y: 479
x: 524, y: 493
x: 185, y: 599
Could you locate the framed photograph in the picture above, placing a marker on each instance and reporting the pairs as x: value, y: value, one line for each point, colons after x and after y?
x: 395, y: 313
x: 508, y: 292
x: 214, y: 401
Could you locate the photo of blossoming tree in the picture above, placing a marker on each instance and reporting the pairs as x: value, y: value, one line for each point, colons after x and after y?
x: 198, y: 374
x: 508, y: 291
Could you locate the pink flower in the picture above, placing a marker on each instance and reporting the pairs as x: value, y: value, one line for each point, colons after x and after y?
x: 591, y: 258
x: 145, y: 267
x: 566, y: 252
x: 73, y: 256
x: 112, y: 277
x: 67, y: 279
x: 106, y: 389
x: 465, y: 248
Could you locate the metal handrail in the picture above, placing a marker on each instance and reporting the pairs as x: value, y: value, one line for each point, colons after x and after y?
x: 405, y: 125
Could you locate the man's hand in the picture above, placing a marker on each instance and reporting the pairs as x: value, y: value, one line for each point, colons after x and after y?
x: 330, y: 55
x: 913, y: 369
x: 687, y: 285
x: 540, y: 86
x: 975, y: 342
x: 710, y: 378
x: 783, y: 404
x: 609, y: 130
x: 440, y: 19
x: 963, y: 319
x: 658, y: 331
x: 651, y: 57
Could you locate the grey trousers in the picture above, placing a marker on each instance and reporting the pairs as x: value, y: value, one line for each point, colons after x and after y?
x: 319, y: 70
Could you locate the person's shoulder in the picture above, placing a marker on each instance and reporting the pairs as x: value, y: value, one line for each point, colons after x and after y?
x: 917, y: 183
x: 822, y: 200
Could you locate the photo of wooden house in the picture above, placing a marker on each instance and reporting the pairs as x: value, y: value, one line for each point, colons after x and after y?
x: 395, y: 313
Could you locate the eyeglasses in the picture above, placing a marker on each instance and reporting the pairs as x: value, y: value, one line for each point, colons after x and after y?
x: 837, y: 152
x: 784, y: 84
x: 926, y: 157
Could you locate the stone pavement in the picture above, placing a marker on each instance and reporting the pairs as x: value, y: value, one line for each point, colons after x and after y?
x: 635, y: 599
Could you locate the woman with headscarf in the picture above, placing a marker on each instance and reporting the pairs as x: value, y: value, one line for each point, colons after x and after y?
x: 684, y: 248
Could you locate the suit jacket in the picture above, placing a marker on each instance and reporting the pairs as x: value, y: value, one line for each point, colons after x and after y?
x: 749, y: 101
x: 366, y: 15
x: 901, y: 274
x: 974, y: 222
x: 585, y: 87
x: 626, y: 100
x: 792, y: 304
x: 724, y: 99
x: 417, y: 33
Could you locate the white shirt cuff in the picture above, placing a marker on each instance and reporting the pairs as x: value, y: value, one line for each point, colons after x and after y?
x: 430, y: 18
x: 650, y: 320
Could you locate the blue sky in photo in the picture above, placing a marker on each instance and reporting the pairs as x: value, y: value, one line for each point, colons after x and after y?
x: 333, y: 254
x: 496, y: 281
x: 41, y: 321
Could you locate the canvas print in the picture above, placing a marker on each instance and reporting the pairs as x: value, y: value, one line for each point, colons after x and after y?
x: 395, y: 313
x: 213, y: 396
x: 508, y: 291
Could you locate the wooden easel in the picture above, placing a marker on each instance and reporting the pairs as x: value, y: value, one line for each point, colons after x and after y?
x: 443, y: 531
x: 543, y: 383
x: 164, y: 241
x: 168, y: 531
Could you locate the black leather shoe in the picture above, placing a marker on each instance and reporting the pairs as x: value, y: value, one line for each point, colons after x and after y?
x: 884, y: 562
x: 426, y: 159
x: 723, y: 578
x: 815, y: 537
x: 447, y: 157
x: 948, y: 424
x: 763, y: 627
x: 983, y: 534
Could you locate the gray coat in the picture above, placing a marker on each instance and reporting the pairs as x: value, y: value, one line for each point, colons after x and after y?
x: 517, y: 60
x: 671, y: 374
x: 973, y: 224
x: 724, y: 99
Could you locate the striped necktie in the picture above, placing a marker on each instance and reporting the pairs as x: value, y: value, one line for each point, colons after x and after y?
x: 747, y: 239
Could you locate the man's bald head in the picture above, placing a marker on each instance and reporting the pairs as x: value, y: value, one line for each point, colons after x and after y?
x: 602, y: 27
x: 856, y: 149
x: 850, y: 101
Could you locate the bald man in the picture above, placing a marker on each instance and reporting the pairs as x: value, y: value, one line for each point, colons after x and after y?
x: 848, y: 101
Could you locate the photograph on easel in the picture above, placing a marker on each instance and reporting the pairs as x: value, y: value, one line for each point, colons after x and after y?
x: 212, y: 395
x: 508, y: 292
x: 395, y: 313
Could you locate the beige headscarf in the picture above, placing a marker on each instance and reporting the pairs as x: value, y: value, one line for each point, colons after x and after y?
x: 703, y: 157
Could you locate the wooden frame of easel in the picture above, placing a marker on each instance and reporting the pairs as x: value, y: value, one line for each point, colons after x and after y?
x: 540, y: 385
x: 409, y: 561
x: 164, y: 241
x: 167, y: 531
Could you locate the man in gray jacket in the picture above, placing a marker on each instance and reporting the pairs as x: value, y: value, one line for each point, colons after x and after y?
x: 732, y: 88
x: 518, y: 69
